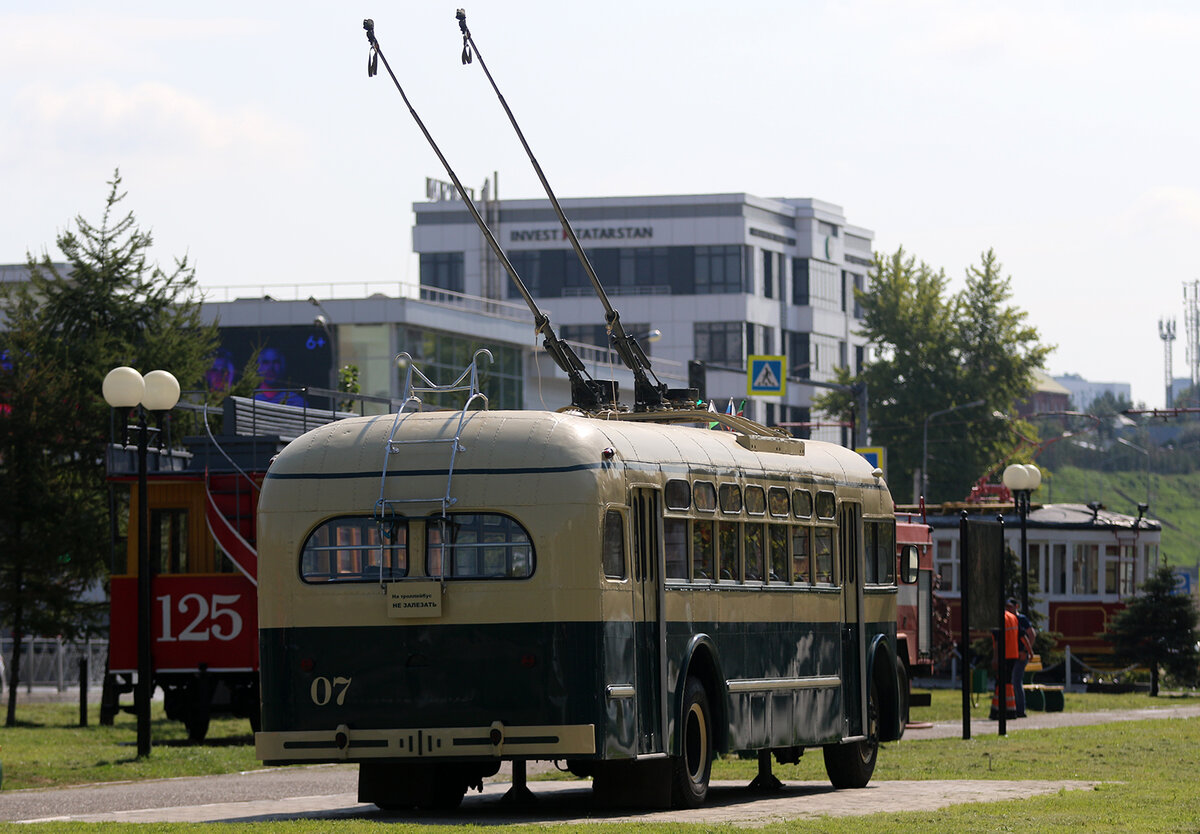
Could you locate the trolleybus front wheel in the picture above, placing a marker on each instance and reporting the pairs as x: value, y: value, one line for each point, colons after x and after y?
x: 690, y: 783
x: 851, y: 765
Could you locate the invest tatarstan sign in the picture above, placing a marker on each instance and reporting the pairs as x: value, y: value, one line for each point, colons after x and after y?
x: 587, y: 233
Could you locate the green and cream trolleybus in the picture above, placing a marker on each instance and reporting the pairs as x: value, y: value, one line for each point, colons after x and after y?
x: 441, y: 591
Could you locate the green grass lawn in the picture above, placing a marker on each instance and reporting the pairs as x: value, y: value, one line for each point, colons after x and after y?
x: 1147, y: 771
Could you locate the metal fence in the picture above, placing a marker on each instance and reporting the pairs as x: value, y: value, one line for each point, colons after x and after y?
x: 52, y: 661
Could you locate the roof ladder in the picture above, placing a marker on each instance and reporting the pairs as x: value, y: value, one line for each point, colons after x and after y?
x: 416, y: 384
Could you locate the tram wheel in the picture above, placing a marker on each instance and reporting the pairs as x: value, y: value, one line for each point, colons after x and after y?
x: 689, y: 786
x: 851, y: 765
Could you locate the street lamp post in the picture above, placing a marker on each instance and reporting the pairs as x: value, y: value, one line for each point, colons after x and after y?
x: 924, y: 483
x: 1022, y: 479
x: 156, y: 392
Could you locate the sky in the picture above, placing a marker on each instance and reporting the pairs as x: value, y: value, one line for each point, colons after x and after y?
x: 1063, y: 135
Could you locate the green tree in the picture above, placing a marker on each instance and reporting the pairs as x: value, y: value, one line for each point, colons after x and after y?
x: 935, y: 351
x: 64, y: 331
x: 1157, y: 629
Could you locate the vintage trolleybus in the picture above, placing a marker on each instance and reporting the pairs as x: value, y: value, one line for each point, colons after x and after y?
x: 440, y: 591
x: 444, y: 590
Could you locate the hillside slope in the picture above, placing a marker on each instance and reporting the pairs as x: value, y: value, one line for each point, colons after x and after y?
x: 1174, y: 501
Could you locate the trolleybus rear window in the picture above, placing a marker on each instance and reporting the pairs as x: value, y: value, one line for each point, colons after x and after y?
x: 477, y: 546
x: 351, y: 549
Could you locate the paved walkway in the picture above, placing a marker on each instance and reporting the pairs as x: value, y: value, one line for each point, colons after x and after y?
x: 330, y: 792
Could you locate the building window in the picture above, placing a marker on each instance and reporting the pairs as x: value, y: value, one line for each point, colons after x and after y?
x: 817, y: 283
x: 443, y: 270
x: 800, y: 282
x: 860, y: 286
x: 768, y: 262
x: 945, y: 565
x: 597, y: 334
x: 718, y: 269
x: 443, y: 356
x: 719, y: 342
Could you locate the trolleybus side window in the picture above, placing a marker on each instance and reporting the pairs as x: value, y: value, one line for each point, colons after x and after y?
x: 731, y: 498
x: 704, y: 539
x: 702, y: 550
x: 614, y: 545
x: 802, y: 503
x: 881, y: 550
x: 779, y: 549
x: 478, y: 546
x: 756, y: 500
x: 728, y: 535
x: 753, y: 549
x: 349, y: 549
x: 826, y: 505
x: 777, y: 502
x: 169, y: 540
x: 823, y: 547
x: 678, y: 494
x: 675, y: 545
x: 802, y: 555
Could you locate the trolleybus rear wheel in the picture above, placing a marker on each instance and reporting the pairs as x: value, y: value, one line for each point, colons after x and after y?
x: 851, y: 765
x: 690, y: 784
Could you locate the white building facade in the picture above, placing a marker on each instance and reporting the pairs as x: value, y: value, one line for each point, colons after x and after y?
x: 721, y: 276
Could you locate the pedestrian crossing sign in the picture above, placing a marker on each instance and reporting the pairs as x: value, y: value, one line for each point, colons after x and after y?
x: 765, y: 376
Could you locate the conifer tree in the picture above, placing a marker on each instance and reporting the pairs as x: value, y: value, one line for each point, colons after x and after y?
x: 1157, y: 629
x: 63, y: 331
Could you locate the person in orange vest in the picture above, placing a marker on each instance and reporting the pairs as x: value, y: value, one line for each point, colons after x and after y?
x: 1006, y: 663
x: 1025, y: 637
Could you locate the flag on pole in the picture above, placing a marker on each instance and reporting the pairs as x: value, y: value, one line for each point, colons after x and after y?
x: 713, y: 409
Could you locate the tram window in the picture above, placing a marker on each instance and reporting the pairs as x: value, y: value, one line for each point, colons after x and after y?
x: 349, y: 550
x: 779, y: 551
x: 777, y: 502
x: 756, y: 500
x: 802, y: 555
x: 169, y: 540
x: 801, y: 503
x: 705, y: 496
x: 478, y: 546
x: 614, y: 545
x: 825, y: 505
x: 727, y: 549
x: 754, y: 552
x: 823, y: 541
x: 678, y: 494
x: 731, y: 498
x: 675, y: 547
x: 702, y: 551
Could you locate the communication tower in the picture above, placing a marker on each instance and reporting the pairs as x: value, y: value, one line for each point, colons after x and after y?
x: 1166, y: 332
x: 1191, y: 324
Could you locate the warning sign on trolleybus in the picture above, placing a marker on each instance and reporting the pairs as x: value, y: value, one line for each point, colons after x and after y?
x: 764, y: 376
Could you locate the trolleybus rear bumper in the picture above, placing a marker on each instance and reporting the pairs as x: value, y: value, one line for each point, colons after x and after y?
x: 496, y: 741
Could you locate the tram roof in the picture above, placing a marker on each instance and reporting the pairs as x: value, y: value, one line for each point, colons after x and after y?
x: 1048, y: 516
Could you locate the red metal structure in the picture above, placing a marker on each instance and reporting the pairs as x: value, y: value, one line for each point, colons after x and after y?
x: 202, y: 502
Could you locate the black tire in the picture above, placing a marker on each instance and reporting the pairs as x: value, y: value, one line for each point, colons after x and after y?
x: 850, y: 765
x: 197, y: 725
x: 447, y: 794
x: 689, y: 783
x: 902, y: 693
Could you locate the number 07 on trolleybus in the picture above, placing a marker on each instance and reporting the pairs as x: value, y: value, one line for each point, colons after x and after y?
x: 624, y: 591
